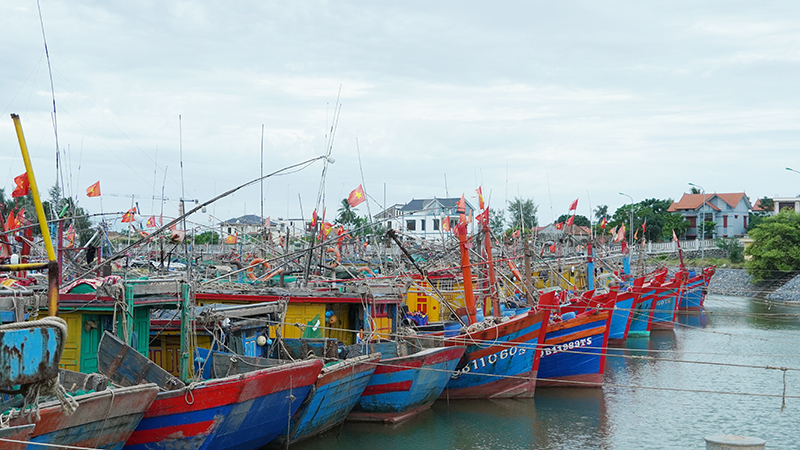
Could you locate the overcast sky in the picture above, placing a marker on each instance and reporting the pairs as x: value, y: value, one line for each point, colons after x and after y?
x: 545, y: 100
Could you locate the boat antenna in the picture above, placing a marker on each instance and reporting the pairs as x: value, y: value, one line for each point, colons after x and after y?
x: 369, y: 213
x: 52, y: 90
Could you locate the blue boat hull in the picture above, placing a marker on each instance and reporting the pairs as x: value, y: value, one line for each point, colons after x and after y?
x: 241, y: 412
x: 501, y: 361
x: 574, y: 352
x: 402, y: 387
x: 333, y: 396
x: 642, y: 314
x: 621, y: 317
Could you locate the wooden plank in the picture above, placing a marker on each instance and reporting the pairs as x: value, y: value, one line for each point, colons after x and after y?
x: 130, y: 367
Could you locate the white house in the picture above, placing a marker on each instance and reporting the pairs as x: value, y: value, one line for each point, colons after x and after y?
x: 422, y: 218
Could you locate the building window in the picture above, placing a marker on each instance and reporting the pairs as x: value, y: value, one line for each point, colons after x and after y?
x: 435, y: 224
x: 422, y: 224
x: 745, y: 222
x: 692, y: 221
x: 389, y: 225
x: 725, y: 221
x: 411, y: 225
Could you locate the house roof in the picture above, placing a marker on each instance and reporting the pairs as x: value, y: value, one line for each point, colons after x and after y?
x: 692, y: 202
x: 247, y: 219
x: 758, y: 206
x: 420, y: 204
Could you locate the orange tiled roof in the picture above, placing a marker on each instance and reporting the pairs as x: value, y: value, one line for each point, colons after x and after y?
x: 694, y: 201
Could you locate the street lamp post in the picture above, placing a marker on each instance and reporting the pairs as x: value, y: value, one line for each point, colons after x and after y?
x: 630, y: 231
x: 703, y: 222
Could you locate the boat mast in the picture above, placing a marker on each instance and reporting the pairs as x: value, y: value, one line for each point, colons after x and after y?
x: 469, y: 298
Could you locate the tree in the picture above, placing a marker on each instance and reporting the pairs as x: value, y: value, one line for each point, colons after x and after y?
x: 732, y: 247
x: 523, y: 213
x: 676, y: 222
x: 347, y: 214
x: 695, y: 190
x: 579, y: 220
x: 654, y: 214
x: 207, y: 237
x: 708, y: 228
x: 775, y: 247
x: 601, y: 212
x: 496, y: 221
x: 756, y: 217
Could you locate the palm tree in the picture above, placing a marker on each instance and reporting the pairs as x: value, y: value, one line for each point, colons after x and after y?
x: 601, y: 212
x: 347, y: 214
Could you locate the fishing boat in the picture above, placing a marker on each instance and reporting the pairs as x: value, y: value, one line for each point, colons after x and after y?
x: 666, y: 302
x: 103, y: 418
x: 501, y: 359
x: 574, y: 348
x: 334, y: 394
x: 622, y: 314
x: 16, y: 438
x: 642, y: 319
x: 237, y: 412
x: 694, y: 292
x: 403, y: 386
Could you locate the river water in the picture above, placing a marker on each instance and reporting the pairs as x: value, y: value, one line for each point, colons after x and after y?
x: 662, y: 403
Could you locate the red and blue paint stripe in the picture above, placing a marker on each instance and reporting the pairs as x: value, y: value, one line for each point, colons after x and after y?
x: 501, y: 361
x: 574, y: 351
x: 241, y: 412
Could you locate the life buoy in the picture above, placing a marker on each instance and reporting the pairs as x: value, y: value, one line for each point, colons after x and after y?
x: 252, y: 265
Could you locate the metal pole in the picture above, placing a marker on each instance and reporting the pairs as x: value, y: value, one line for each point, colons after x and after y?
x: 703, y: 221
x: 630, y: 231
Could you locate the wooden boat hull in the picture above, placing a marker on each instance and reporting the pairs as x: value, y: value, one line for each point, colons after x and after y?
x: 694, y: 293
x: 404, y: 386
x: 501, y: 361
x: 334, y: 395
x: 642, y: 313
x: 666, y: 302
x: 104, y: 419
x: 574, y: 352
x: 239, y: 412
x: 621, y: 317
x: 21, y: 433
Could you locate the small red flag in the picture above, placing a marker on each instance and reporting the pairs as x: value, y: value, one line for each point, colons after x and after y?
x: 129, y: 216
x: 674, y: 236
x: 480, y: 198
x: 356, y: 197
x: 603, y: 224
x: 461, y: 206
x: 22, y: 185
x: 70, y: 237
x: 515, y: 234
x: 560, y: 226
x: 446, y: 223
x: 151, y: 222
x: 643, y: 224
x: 93, y: 190
x: 571, y: 220
x: 231, y: 239
x: 314, y: 219
x: 11, y: 223
x: 574, y: 205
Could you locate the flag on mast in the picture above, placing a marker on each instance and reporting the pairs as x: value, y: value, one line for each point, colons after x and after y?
x: 93, y: 190
x: 356, y: 197
x: 22, y: 185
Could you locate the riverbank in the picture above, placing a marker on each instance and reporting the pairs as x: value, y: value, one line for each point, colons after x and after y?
x: 736, y: 282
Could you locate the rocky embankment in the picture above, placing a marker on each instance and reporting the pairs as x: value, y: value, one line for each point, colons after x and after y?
x: 737, y: 282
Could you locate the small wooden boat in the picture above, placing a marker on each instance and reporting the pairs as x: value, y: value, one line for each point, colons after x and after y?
x: 404, y: 386
x: 622, y: 315
x: 666, y: 302
x: 16, y: 438
x: 239, y: 412
x: 643, y: 309
x: 694, y: 292
x: 104, y: 418
x: 332, y: 397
